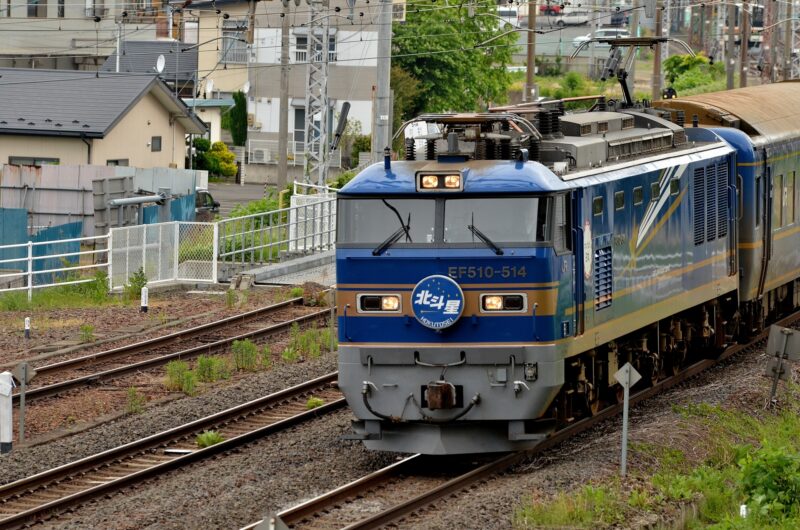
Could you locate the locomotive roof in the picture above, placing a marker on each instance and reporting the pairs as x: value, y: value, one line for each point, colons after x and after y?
x: 480, y: 176
x: 770, y: 110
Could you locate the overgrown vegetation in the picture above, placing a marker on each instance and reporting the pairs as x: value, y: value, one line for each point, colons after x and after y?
x: 245, y: 355
x: 135, y: 401
x: 87, y: 333
x: 311, y: 342
x: 210, y: 368
x: 86, y: 294
x: 180, y: 378
x: 694, y: 74
x: 314, y: 402
x: 132, y: 289
x: 749, y: 460
x: 208, y: 438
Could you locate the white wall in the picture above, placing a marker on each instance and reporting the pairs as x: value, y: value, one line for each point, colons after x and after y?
x: 351, y: 50
x: 268, y: 41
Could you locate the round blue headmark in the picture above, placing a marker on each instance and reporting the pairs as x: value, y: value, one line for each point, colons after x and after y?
x: 437, y: 302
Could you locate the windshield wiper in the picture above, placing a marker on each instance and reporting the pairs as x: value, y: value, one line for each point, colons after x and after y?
x: 392, y: 239
x: 489, y: 243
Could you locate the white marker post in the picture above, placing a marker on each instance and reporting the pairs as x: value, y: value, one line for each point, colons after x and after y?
x: 627, y: 377
x: 6, y: 412
x: 27, y: 327
x: 143, y: 308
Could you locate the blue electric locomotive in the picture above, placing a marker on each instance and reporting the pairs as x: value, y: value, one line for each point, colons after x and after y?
x: 491, y: 284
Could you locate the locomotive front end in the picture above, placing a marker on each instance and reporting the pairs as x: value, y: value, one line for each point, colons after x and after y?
x: 454, y: 289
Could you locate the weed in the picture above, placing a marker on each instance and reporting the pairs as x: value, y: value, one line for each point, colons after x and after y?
x: 208, y: 438
x: 132, y: 290
x: 590, y: 507
x: 314, y: 402
x: 188, y: 383
x: 230, y: 298
x: 296, y: 292
x: 136, y: 401
x: 210, y: 369
x: 175, y: 372
x: 290, y: 355
x: 87, y: 333
x: 245, y: 355
x: 266, y: 356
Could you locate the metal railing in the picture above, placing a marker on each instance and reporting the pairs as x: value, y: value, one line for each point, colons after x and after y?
x: 24, y: 275
x: 266, y: 152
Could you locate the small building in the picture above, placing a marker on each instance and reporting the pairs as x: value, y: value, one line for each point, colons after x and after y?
x: 210, y: 112
x: 80, y: 117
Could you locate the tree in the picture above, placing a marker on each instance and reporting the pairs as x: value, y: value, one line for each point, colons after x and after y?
x: 439, y: 47
x: 406, y: 90
x: 219, y: 160
x: 238, y: 117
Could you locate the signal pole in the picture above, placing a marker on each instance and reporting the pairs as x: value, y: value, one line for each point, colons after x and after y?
x: 744, y: 35
x: 656, y: 95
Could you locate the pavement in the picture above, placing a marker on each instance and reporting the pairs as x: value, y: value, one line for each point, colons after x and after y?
x: 229, y: 195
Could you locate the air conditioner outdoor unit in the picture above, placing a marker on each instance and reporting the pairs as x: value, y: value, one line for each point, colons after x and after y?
x: 259, y: 156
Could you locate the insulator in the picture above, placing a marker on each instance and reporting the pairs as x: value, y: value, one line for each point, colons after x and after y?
x: 555, y: 123
x: 489, y: 150
x: 680, y: 118
x: 533, y: 149
x: 430, y: 150
x: 410, y: 149
x: 514, y: 152
x: 505, y: 149
x: 498, y: 150
x: 480, y: 149
x: 560, y: 109
x: 601, y: 103
x: 544, y: 122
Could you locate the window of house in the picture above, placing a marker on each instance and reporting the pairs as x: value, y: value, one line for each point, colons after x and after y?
x: 60, y: 8
x: 233, y: 48
x: 619, y: 200
x: 118, y: 162
x: 37, y: 8
x: 301, y: 49
x: 155, y: 144
x: 299, y: 127
x: 638, y: 196
x: 32, y: 161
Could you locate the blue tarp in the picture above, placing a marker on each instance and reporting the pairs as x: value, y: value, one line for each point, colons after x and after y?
x: 181, y: 209
x: 55, y: 233
x: 13, y: 230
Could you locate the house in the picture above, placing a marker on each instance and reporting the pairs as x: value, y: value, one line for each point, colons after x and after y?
x: 75, y: 35
x: 81, y: 117
x: 142, y: 57
x: 210, y: 111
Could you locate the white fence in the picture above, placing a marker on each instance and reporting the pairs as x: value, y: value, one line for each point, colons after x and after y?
x: 26, y: 273
x: 165, y: 252
x: 266, y: 152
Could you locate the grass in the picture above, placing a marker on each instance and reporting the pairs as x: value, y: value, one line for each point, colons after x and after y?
x: 135, y: 401
x: 89, y: 294
x: 746, y: 460
x: 210, y: 369
x: 208, y: 438
x: 180, y: 378
x: 245, y: 355
x: 87, y: 333
x: 132, y: 290
x: 296, y: 292
x: 314, y: 402
x: 311, y: 342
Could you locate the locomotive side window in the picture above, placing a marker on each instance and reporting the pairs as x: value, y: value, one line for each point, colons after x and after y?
x: 502, y: 220
x: 674, y: 186
x: 654, y: 191
x: 562, y: 240
x: 638, y: 196
x: 619, y: 200
x: 597, y: 206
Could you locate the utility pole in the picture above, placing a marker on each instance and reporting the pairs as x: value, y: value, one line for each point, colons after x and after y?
x: 744, y: 35
x: 381, y: 125
x: 729, y: 54
x: 656, y: 94
x: 531, y: 69
x: 631, y: 80
x: 787, y: 43
x: 283, y: 118
x: 768, y: 41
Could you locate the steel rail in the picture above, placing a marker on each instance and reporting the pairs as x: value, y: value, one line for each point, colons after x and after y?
x: 46, y: 485
x: 209, y: 348
x: 306, y: 512
x: 166, y: 340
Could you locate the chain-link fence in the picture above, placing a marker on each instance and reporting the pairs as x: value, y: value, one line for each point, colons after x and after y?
x: 163, y: 252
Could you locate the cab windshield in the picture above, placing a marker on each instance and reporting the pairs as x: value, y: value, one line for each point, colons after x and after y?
x: 444, y: 221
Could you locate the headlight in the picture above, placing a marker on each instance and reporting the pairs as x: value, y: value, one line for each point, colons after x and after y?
x: 492, y: 303
x: 503, y: 302
x: 376, y: 303
x: 390, y: 303
x: 430, y: 181
x: 452, y: 181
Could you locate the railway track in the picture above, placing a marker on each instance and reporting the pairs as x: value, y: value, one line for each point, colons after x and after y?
x: 207, y: 335
x: 55, y: 491
x: 405, y: 487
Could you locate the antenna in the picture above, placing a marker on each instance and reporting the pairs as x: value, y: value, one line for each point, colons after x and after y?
x: 160, y: 62
x: 246, y: 87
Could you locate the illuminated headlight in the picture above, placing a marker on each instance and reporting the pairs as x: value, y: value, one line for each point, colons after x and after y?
x: 452, y: 181
x: 390, y: 303
x: 503, y: 302
x: 430, y: 181
x: 376, y: 303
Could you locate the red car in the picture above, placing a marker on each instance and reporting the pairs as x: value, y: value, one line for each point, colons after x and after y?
x: 550, y: 9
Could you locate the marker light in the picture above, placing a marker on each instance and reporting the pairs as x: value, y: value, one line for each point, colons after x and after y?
x: 493, y: 303
x: 430, y: 181
x: 390, y: 303
x: 452, y: 181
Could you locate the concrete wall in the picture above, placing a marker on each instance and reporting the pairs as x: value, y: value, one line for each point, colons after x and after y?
x: 129, y: 139
x: 268, y: 173
x: 213, y: 117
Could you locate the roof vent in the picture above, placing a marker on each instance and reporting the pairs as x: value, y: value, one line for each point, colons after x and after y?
x: 48, y: 120
x: 75, y: 121
x: 20, y: 119
x: 59, y: 125
x: 4, y: 122
x: 85, y: 125
x: 31, y: 123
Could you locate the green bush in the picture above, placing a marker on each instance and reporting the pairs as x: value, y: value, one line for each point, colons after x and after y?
x: 210, y: 369
x: 245, y: 355
x: 208, y: 438
x: 175, y: 375
x: 361, y: 144
x: 296, y: 292
x: 771, y: 480
x: 135, y: 402
x: 290, y: 355
x: 189, y: 383
x: 219, y: 160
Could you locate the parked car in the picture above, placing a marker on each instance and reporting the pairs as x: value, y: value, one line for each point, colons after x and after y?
x: 205, y: 207
x: 550, y: 9
x: 574, y: 18
x: 509, y: 14
x: 603, y: 33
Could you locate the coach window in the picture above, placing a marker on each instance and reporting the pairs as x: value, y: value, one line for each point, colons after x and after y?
x: 638, y: 196
x: 619, y: 200
x: 654, y: 191
x: 597, y: 206
x: 789, y: 194
x: 777, y: 201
